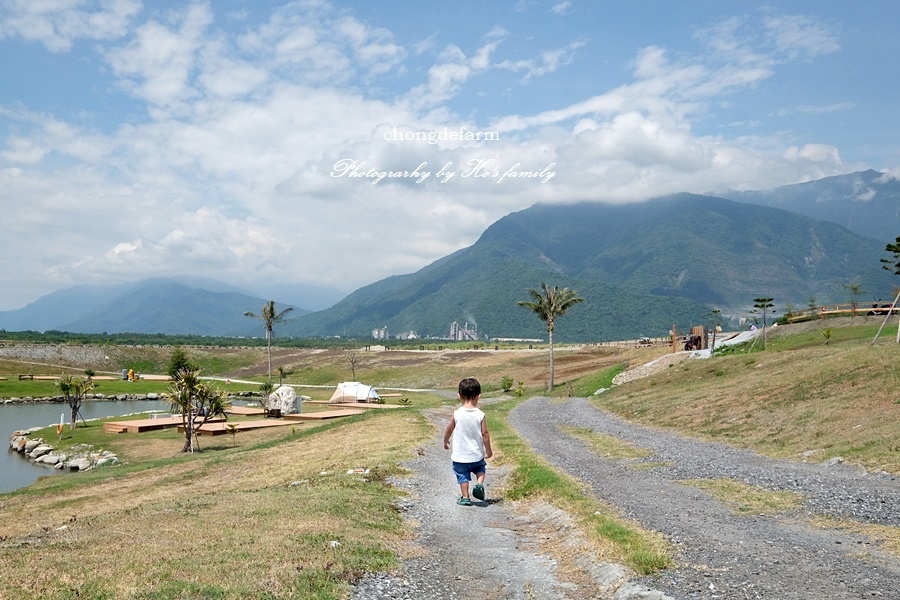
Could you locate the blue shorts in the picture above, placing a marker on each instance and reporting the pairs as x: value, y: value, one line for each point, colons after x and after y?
x: 464, y: 471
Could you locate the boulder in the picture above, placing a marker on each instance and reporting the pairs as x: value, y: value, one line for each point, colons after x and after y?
x: 32, y: 444
x: 40, y: 451
x: 80, y: 464
x: 284, y: 399
x: 50, y: 458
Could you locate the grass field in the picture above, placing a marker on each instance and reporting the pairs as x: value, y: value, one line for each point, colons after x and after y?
x: 274, y: 514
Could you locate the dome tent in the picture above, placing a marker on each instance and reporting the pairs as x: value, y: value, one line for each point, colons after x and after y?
x: 353, y: 391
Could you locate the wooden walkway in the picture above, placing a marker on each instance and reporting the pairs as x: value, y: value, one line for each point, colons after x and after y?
x: 142, y: 425
x: 322, y: 414
x: 246, y: 411
x: 221, y: 428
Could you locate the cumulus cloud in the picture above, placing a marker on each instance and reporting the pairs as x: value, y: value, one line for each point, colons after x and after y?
x: 57, y: 24
x: 229, y: 170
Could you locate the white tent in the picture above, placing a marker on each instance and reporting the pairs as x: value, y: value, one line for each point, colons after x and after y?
x: 354, y: 391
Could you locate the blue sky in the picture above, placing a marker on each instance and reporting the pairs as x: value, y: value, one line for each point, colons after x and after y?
x: 143, y: 139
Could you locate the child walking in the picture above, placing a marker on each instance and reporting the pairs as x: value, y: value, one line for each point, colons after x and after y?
x: 471, y: 442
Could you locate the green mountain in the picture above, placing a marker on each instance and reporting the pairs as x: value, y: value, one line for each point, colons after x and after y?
x: 867, y: 202
x: 640, y: 267
x: 185, y: 305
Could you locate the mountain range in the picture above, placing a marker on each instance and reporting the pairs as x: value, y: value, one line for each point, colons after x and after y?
x: 172, y: 305
x: 640, y: 267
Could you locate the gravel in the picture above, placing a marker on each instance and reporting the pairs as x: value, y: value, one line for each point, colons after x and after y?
x: 720, y: 554
x: 490, y: 550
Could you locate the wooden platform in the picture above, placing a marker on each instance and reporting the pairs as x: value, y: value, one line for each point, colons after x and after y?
x: 246, y: 411
x: 141, y: 425
x: 322, y: 414
x: 221, y: 428
x: 363, y: 405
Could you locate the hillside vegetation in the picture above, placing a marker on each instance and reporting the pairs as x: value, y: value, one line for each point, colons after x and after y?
x: 800, y: 398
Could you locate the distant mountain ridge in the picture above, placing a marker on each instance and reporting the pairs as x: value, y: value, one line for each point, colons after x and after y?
x: 640, y: 267
x: 177, y: 305
x: 866, y: 202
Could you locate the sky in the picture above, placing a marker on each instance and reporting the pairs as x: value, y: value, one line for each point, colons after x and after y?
x: 310, y: 145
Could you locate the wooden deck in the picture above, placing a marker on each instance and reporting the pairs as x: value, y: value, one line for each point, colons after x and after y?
x: 221, y: 428
x: 246, y: 411
x: 142, y: 425
x: 322, y: 414
x: 363, y: 405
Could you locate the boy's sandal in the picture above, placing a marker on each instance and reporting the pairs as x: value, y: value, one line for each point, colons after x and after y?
x: 478, y: 491
x: 464, y: 501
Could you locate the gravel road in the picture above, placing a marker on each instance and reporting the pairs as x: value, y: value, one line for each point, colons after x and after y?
x: 721, y: 554
x: 497, y: 549
x: 492, y: 550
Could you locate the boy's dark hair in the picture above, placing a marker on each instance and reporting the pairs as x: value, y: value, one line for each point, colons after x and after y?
x: 469, y: 388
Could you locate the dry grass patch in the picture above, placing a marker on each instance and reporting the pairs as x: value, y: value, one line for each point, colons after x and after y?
x: 283, y: 520
x: 887, y: 537
x: 605, y: 445
x: 747, y: 499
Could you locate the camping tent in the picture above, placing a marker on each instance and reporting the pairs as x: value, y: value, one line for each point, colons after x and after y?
x: 353, y: 391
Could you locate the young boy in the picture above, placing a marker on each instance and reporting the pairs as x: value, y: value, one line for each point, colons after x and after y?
x: 471, y: 441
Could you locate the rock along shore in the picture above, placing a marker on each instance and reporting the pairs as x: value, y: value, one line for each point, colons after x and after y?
x: 81, y: 457
x: 105, y: 398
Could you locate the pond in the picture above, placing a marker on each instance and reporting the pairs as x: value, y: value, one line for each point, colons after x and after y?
x: 17, y: 471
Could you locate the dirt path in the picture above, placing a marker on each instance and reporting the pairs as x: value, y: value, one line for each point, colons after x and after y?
x: 492, y: 550
x: 721, y: 554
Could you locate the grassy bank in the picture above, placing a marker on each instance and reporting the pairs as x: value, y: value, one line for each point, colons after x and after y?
x: 800, y: 395
x: 277, y: 515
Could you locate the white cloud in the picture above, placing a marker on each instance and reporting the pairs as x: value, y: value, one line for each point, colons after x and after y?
x: 227, y: 173
x: 547, y: 61
x: 57, y: 24
x: 799, y: 36
x: 561, y: 8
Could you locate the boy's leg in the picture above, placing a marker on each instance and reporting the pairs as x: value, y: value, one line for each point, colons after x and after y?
x: 464, y: 489
x: 478, y: 490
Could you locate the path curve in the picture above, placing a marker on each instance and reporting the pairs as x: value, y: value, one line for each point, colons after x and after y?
x: 720, y: 554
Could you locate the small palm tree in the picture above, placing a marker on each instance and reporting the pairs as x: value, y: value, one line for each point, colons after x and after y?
x: 271, y: 317
x: 549, y: 304
x: 196, y: 401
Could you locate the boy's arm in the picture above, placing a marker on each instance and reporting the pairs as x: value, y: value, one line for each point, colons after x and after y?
x: 486, y: 436
x: 448, y: 432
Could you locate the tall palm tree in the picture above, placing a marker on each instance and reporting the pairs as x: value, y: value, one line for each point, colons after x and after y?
x: 271, y: 317
x: 549, y: 303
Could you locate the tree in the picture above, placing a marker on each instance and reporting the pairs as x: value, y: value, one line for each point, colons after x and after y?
x: 266, y: 388
x: 893, y: 265
x: 549, y: 304
x: 73, y: 390
x: 353, y: 357
x: 855, y: 291
x: 763, y: 305
x: 179, y: 361
x: 196, y: 401
x: 270, y: 317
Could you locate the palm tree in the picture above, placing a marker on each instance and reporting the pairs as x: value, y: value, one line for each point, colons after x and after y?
x: 550, y: 303
x: 271, y: 318
x: 196, y: 402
